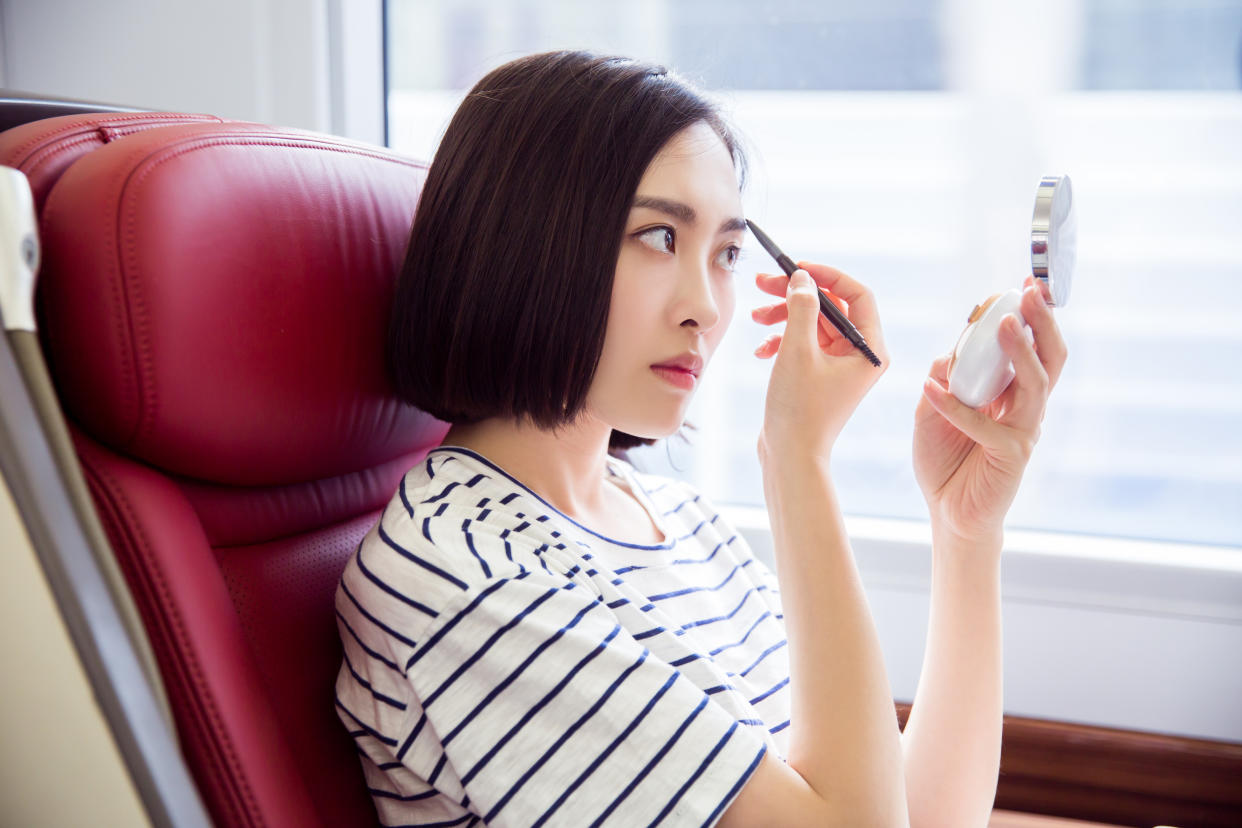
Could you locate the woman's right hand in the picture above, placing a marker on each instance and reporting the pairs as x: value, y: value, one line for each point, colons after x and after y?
x: 819, y: 377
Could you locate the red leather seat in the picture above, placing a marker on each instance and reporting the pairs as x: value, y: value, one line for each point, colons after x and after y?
x: 215, y: 298
x: 44, y: 149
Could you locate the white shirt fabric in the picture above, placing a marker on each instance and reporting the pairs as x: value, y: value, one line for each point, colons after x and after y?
x: 505, y: 665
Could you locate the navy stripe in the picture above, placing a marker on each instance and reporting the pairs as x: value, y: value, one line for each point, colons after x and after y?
x: 758, y: 620
x: 443, y: 493
x: 507, y: 499
x: 779, y: 727
x: 435, y: 772
x: 409, y: 740
x: 375, y: 579
x: 367, y: 728
x: 735, y: 611
x: 474, y: 480
x: 606, y: 753
x: 770, y: 691
x: 645, y: 634
x: 710, y: 555
x: 677, y: 508
x: 512, y: 677
x: 403, y: 798
x: 487, y: 645
x: 737, y: 786
x: 443, y: 631
x: 372, y: 653
x: 374, y: 620
x: 400, y: 705
x: 697, y: 773
x: 693, y: 532
x: 427, y: 565
x: 547, y: 698
x: 409, y: 508
x: 651, y: 764
x: 688, y: 590
x: 764, y: 655
x: 465, y: 528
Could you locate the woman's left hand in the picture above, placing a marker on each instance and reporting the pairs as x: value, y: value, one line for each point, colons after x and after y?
x: 969, y: 462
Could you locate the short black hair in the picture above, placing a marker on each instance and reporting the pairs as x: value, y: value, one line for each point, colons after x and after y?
x: 502, y: 301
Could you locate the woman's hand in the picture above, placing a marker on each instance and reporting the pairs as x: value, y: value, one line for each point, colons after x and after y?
x: 969, y: 463
x: 818, y: 377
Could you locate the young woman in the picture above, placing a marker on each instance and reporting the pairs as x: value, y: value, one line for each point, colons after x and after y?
x: 535, y: 633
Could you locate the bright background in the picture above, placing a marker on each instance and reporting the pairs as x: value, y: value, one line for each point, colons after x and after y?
x: 902, y: 141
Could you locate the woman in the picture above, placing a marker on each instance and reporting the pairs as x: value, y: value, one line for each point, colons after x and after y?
x: 537, y: 634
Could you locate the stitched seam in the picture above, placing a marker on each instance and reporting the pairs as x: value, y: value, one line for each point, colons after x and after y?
x: 46, y: 154
x: 92, y: 126
x: 221, y: 753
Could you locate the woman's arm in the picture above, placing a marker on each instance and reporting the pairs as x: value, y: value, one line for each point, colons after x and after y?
x: 969, y: 464
x: 952, y: 740
x: 845, y: 762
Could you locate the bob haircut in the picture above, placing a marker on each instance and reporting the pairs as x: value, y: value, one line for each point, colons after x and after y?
x: 502, y: 301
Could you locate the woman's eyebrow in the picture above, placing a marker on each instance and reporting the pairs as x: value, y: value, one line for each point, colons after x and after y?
x: 685, y: 213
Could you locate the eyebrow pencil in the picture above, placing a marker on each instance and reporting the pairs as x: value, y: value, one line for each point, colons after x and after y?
x: 838, y: 319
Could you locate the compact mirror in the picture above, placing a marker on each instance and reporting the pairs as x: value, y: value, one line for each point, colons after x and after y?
x: 979, y: 369
x: 1054, y: 238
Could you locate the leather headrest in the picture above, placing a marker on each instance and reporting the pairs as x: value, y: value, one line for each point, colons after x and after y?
x: 44, y: 149
x: 217, y: 297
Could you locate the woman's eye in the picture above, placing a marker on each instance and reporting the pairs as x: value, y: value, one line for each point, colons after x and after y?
x: 728, y: 257
x: 658, y: 238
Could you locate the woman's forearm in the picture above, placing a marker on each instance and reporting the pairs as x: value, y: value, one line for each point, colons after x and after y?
x: 844, y: 739
x: 952, y: 738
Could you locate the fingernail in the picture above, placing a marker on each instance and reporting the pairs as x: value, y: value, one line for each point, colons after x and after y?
x: 799, y: 282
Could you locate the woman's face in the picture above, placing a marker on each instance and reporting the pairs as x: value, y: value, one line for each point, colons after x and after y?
x: 672, y: 295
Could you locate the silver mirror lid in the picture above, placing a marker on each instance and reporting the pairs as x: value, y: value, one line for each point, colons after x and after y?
x: 1054, y: 237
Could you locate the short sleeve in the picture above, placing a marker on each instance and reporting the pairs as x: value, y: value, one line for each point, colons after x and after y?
x: 538, y: 708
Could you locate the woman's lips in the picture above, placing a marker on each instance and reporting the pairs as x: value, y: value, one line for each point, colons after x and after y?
x: 678, y: 377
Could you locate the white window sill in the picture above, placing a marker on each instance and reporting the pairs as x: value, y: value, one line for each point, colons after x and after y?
x: 1108, y: 631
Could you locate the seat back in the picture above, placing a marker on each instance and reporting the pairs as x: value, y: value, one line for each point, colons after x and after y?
x: 215, y: 298
x: 45, y: 148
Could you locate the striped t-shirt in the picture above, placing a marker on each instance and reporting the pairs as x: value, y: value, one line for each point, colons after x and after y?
x: 505, y: 665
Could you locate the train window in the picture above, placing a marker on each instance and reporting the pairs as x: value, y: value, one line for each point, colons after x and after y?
x: 901, y: 140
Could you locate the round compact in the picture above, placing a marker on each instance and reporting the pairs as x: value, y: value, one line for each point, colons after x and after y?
x: 1054, y: 238
x: 979, y: 369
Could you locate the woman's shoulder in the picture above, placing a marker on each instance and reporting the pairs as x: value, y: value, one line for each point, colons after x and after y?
x: 456, y: 518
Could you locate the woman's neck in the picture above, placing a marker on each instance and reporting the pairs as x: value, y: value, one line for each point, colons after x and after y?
x: 565, y: 467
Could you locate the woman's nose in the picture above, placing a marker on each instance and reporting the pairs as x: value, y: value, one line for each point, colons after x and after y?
x: 698, y: 305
